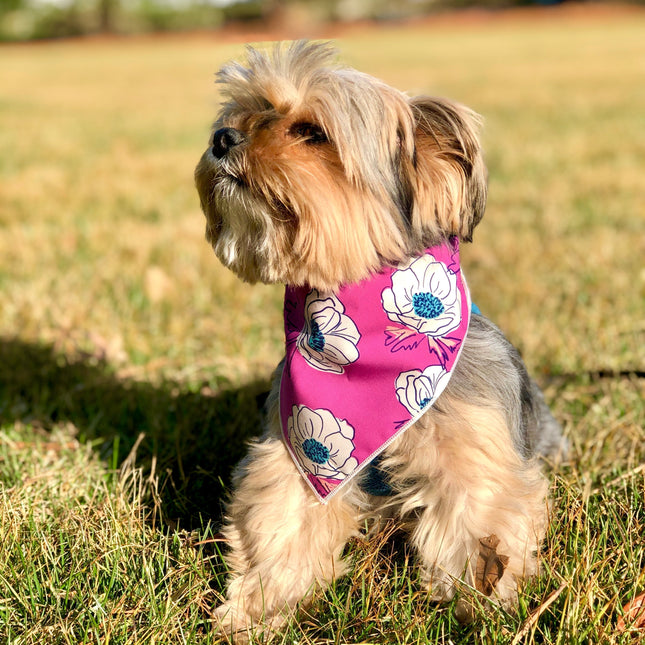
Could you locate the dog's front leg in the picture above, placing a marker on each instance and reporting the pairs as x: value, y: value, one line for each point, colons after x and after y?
x: 282, y: 541
x: 485, y: 508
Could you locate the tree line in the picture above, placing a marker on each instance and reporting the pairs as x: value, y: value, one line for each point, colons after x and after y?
x: 34, y: 19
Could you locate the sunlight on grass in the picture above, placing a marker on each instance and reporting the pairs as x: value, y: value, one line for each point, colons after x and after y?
x: 81, y: 561
x: 117, y: 320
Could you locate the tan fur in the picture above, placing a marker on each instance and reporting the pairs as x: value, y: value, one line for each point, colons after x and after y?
x: 459, y: 479
x: 321, y: 175
x: 281, y: 543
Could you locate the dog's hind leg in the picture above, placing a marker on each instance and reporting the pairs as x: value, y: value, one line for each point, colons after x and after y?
x: 282, y: 541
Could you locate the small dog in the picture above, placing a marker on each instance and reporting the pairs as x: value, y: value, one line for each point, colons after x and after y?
x: 396, y: 397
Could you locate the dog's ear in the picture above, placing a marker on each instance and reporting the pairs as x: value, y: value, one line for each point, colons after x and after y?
x: 446, y: 177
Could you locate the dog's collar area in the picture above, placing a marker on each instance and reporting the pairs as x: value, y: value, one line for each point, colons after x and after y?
x: 366, y: 362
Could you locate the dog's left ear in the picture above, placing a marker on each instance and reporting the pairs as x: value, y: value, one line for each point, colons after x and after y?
x: 446, y: 178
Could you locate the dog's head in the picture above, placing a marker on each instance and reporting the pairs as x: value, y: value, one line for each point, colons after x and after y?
x: 319, y: 174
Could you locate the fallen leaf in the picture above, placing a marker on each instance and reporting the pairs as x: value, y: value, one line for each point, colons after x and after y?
x: 490, y: 565
x: 633, y: 614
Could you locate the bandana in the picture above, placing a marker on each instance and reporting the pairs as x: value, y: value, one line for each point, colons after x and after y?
x: 364, y: 363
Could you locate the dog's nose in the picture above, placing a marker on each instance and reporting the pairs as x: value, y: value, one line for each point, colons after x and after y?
x: 224, y: 139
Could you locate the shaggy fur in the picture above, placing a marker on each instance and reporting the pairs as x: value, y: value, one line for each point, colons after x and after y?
x: 320, y: 175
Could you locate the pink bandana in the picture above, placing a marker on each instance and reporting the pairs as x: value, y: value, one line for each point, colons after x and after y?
x: 365, y: 363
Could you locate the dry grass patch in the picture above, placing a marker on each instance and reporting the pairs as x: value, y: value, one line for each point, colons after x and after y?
x: 83, y: 562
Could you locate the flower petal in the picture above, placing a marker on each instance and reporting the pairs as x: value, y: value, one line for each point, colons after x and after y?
x: 340, y: 351
x: 329, y: 339
x: 404, y: 285
x: 450, y: 319
x: 416, y: 389
x: 334, y: 434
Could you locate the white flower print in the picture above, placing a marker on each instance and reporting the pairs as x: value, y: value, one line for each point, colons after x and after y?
x: 322, y: 443
x: 424, y: 296
x: 329, y: 339
x: 416, y: 389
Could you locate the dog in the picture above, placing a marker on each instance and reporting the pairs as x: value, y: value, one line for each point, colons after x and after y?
x: 396, y: 397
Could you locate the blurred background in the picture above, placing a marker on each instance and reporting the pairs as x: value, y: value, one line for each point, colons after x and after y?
x: 37, y: 19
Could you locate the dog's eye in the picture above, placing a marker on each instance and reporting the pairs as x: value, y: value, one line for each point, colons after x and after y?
x: 310, y: 132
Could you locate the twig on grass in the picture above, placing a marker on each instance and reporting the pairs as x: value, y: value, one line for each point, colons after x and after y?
x: 535, y: 616
x: 620, y: 478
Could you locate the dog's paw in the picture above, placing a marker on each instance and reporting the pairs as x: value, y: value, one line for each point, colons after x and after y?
x: 239, y: 628
x: 233, y: 627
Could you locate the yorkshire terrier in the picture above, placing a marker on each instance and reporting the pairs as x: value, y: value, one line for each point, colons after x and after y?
x: 396, y: 397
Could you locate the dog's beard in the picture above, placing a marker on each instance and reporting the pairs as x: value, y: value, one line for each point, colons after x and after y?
x: 300, y: 223
x: 240, y: 226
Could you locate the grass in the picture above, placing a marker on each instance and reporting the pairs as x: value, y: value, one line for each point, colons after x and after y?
x: 117, y: 321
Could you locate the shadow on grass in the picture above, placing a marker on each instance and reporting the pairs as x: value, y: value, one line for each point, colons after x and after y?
x: 196, y: 438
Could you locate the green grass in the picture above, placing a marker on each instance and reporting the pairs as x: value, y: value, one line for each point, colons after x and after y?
x: 116, y: 320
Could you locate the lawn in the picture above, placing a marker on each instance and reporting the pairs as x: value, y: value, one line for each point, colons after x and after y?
x: 133, y: 366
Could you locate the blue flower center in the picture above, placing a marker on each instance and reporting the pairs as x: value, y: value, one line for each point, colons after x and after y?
x: 316, y: 339
x: 426, y: 305
x: 315, y: 450
x: 423, y: 403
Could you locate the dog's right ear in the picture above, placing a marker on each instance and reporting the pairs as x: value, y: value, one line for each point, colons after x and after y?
x: 447, y: 178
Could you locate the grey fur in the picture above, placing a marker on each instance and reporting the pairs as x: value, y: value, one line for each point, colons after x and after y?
x: 490, y: 373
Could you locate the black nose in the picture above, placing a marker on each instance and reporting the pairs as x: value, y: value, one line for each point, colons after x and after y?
x: 224, y: 139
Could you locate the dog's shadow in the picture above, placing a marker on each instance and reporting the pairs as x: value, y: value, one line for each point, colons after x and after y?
x: 195, y: 437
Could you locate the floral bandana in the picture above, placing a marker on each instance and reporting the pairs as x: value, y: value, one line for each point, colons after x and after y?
x: 365, y: 363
